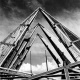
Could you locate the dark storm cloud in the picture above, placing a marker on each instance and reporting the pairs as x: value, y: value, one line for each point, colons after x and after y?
x: 14, y: 7
x: 18, y: 8
x: 21, y: 8
x: 57, y: 6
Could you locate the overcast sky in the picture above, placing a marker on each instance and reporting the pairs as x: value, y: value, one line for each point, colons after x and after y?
x: 13, y: 12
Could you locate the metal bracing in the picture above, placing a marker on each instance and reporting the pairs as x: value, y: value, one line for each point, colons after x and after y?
x: 22, y: 47
x: 16, y: 37
x: 46, y: 73
x: 52, y: 23
x: 22, y: 57
x: 52, y: 73
x: 66, y: 71
x: 54, y: 57
x: 15, y: 47
x: 7, y: 44
x: 60, y: 53
x: 12, y: 72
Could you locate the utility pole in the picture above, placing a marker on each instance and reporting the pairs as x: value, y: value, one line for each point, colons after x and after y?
x: 30, y: 64
x: 46, y: 62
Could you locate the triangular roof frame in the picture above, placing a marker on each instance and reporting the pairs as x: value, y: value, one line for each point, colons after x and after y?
x: 26, y: 24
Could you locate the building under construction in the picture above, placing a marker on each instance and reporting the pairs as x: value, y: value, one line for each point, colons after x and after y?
x: 15, y: 47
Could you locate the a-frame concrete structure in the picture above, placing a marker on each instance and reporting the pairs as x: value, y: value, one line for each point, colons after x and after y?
x: 15, y: 47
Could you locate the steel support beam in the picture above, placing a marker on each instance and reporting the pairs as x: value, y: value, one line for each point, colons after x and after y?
x: 13, y: 72
x: 51, y: 53
x: 74, y: 64
x: 52, y: 23
x: 66, y: 71
x: 46, y: 73
x: 60, y: 53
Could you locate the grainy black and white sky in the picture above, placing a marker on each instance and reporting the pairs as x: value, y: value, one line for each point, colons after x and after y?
x: 12, y: 12
x: 22, y: 8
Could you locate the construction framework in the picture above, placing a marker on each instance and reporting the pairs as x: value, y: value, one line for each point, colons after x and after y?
x: 14, y: 49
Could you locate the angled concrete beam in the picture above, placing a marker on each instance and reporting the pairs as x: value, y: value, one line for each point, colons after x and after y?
x: 51, y: 53
x: 46, y: 73
x: 74, y: 64
x: 60, y: 53
x: 66, y: 72
x: 14, y: 72
x: 52, y: 21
